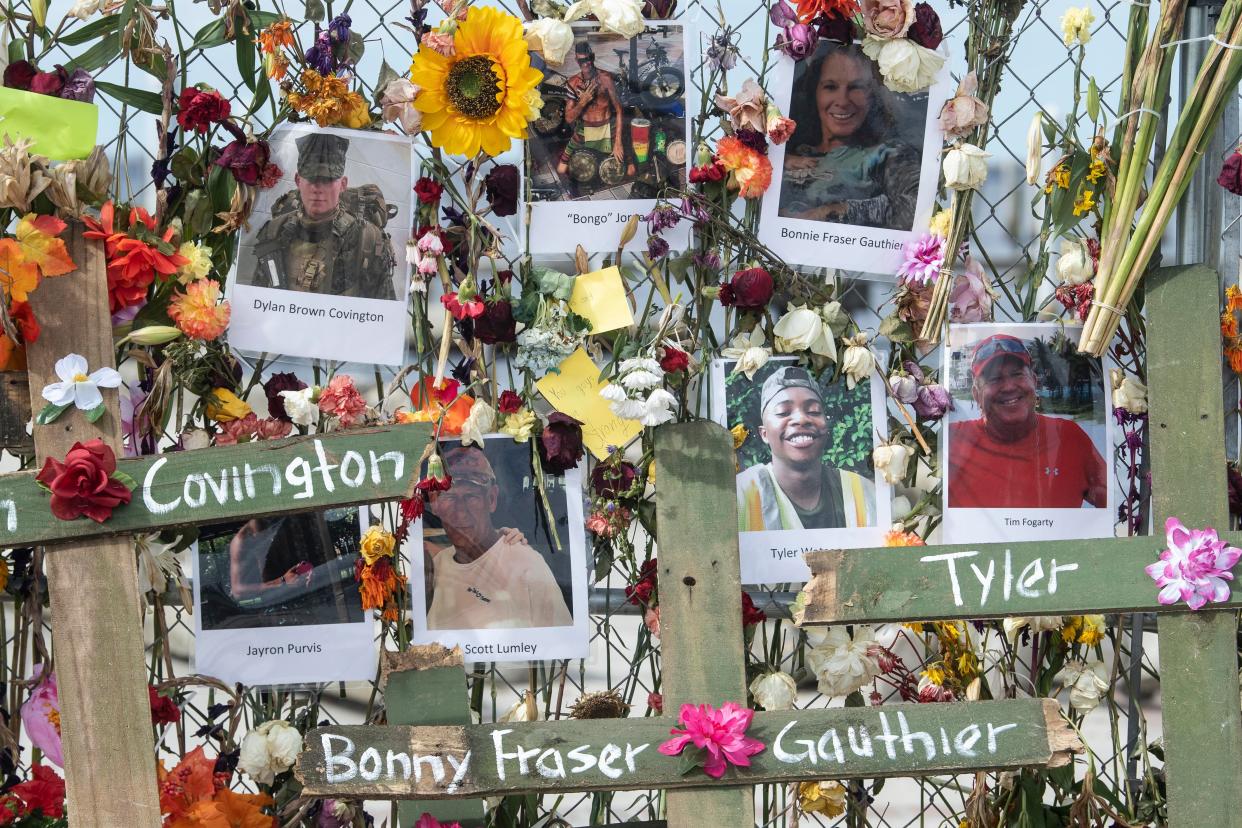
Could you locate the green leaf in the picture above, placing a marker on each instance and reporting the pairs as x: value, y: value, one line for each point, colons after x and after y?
x: 691, y: 760
x: 99, y: 55
x: 92, y: 30
x: 137, y: 98
x: 213, y: 34
x: 315, y: 12
x: 356, y: 47
x: 386, y: 76
x: 125, y: 480
x: 262, y: 93
x: 17, y: 50
x: 246, y: 58
x: 896, y: 329
x: 262, y: 19
x: 94, y: 414
x: 51, y: 412
x: 1093, y: 101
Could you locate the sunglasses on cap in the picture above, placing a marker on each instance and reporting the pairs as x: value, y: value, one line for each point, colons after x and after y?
x: 998, y: 347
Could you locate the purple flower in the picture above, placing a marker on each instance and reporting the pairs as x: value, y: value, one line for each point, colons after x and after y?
x: 657, y: 248
x: 692, y: 207
x: 662, y: 217
x: 79, y: 86
x: 319, y: 56
x: 932, y: 402
x: 338, y: 29
x: 722, y: 54
x: 924, y: 258
x: 798, y: 41
x: 709, y: 260
x: 1195, y: 566
x: 970, y: 301
x: 782, y: 14
x: 915, y: 370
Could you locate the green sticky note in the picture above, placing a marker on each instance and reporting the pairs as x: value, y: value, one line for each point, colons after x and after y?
x: 61, y: 129
x: 599, y: 297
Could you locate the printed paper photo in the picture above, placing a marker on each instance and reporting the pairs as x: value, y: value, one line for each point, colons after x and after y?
x: 856, y: 180
x: 611, y: 138
x: 1028, y: 441
x: 322, y: 272
x: 276, y: 601
x: 501, y: 579
x: 806, y: 480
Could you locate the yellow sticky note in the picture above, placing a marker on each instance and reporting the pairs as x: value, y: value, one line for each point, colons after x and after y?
x: 61, y: 129
x: 599, y: 297
x: 575, y: 391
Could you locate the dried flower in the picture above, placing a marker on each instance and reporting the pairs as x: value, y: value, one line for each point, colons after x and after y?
x: 797, y: 40
x: 858, y: 362
x: 501, y: 185
x: 560, y: 444
x: 965, y: 167
x: 1128, y: 393
x: 550, y: 37
x: 842, y: 664
x: 887, y: 18
x: 970, y: 300
x: 774, y: 691
x: 397, y: 105
x: 1087, y: 683
x: 1075, y: 265
x: 1034, y: 148
x: 904, y: 65
x: 748, y: 290
x: 892, y: 460
x: 962, y: 113
x: 749, y: 351
x: 926, y: 30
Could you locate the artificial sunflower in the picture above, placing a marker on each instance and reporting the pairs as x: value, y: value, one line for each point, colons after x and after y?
x: 479, y: 97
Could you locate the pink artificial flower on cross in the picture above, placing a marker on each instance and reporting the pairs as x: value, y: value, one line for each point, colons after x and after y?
x: 41, y: 716
x: 923, y: 259
x: 720, y: 734
x: 428, y: 821
x: 1195, y: 567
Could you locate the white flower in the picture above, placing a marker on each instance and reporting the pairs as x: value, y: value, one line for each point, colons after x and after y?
x: 397, y: 104
x: 1076, y: 25
x: 269, y: 750
x: 965, y: 167
x: 628, y: 409
x: 802, y: 329
x: 1034, y: 148
x: 1087, y: 683
x: 1074, y: 266
x: 1037, y: 623
x: 904, y: 65
x: 613, y: 393
x: 858, y: 362
x: 625, y: 17
x: 658, y: 408
x: 83, y: 9
x: 198, y: 262
x: 1128, y: 393
x: 553, y: 38
x: 891, y: 460
x: 638, y: 364
x: 775, y: 691
x: 480, y: 421
x: 749, y: 352
x: 842, y: 664
x: 525, y: 709
x: 641, y: 379
x: 76, y: 387
x: 300, y: 406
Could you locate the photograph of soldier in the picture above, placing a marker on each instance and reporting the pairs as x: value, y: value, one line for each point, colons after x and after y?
x: 613, y: 124
x: 324, y: 236
x: 490, y: 559
x: 283, y: 571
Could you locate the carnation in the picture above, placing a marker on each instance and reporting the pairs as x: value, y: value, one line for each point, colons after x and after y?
x: 199, y: 313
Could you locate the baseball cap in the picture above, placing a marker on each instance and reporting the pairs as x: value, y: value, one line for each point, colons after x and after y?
x: 995, y: 347
x: 321, y: 156
x: 791, y: 376
x: 469, y: 463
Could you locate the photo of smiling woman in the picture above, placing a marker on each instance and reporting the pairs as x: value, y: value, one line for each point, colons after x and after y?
x: 805, y: 478
x: 855, y: 155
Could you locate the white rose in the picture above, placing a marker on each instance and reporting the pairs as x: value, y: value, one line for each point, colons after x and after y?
x: 904, y: 65
x: 1074, y: 265
x: 1128, y: 393
x: 1087, y: 683
x: 892, y: 460
x: 965, y: 167
x: 858, y: 362
x: 625, y: 17
x: 480, y: 421
x: 802, y: 329
x: 775, y: 691
x: 300, y: 407
x: 553, y: 38
x: 269, y: 750
x: 842, y: 664
x: 83, y: 9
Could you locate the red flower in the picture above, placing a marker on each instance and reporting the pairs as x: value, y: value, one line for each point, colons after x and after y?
x: 132, y: 262
x: 926, y: 30
x: 751, y: 614
x: 509, y: 403
x: 411, y: 510
x: 23, y: 317
x: 470, y: 309
x: 612, y: 480
x: 496, y: 324
x: 48, y: 83
x: 641, y: 591
x: 19, y: 75
x: 163, y: 709
x: 198, y: 109
x: 656, y: 702
x: 249, y: 162
x: 674, y: 360
x: 428, y: 190
x: 445, y: 392
x: 83, y: 484
x: 560, y: 444
x: 748, y: 290
x: 1231, y: 173
x: 44, y: 792
x: 707, y: 174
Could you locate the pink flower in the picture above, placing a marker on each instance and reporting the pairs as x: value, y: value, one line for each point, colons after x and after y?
x: 1195, y: 566
x: 270, y: 428
x: 923, y: 261
x: 651, y: 618
x: 428, y: 821
x: 720, y: 734
x: 342, y: 399
x: 445, y: 45
x: 41, y: 717
x: 970, y: 300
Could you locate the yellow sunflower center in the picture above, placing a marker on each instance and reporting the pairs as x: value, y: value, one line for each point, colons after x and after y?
x: 472, y: 87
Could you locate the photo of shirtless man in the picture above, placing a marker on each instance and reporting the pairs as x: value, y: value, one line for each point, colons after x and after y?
x: 594, y: 110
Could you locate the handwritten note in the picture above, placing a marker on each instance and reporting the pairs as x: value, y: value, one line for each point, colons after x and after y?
x: 61, y: 129
x: 575, y: 391
x: 600, y: 298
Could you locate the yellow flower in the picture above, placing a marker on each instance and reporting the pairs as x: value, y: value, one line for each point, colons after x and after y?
x: 377, y: 543
x: 935, y: 674
x: 1069, y: 629
x: 1084, y: 203
x: 1092, y: 630
x: 357, y: 112
x: 914, y: 626
x: 328, y: 100
x: 826, y: 798
x: 1076, y: 25
x: 519, y: 424
x: 478, y: 98
x: 1058, y: 177
x: 534, y: 104
x: 740, y: 434
x: 940, y: 224
x: 966, y: 665
x: 224, y: 406
x: 198, y: 262
x: 1097, y: 170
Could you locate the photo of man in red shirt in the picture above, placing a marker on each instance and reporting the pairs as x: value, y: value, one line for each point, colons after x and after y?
x: 1011, y: 456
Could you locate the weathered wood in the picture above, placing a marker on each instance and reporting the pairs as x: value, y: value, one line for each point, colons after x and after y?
x: 995, y: 580
x: 701, y: 646
x: 105, y: 713
x: 1198, y: 651
x: 621, y: 754
x: 214, y: 484
x: 426, y: 685
x: 15, y: 412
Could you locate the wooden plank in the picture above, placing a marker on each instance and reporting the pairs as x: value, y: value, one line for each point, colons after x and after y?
x: 426, y: 685
x: 621, y: 754
x: 15, y: 412
x: 701, y: 644
x: 1198, y: 651
x: 214, y: 484
x: 105, y: 714
x: 996, y: 580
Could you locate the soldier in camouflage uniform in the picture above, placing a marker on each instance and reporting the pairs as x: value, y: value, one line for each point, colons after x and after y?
x: 319, y: 248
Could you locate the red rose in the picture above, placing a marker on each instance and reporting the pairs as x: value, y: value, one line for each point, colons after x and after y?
x: 198, y: 109
x: 748, y: 290
x: 674, y: 360
x: 560, y: 444
x: 612, y: 481
x: 926, y: 29
x: 83, y: 484
x: 1231, y: 173
x: 247, y: 161
x: 428, y: 190
x: 163, y: 709
x: 496, y: 324
x: 44, y: 792
x: 510, y: 403
x: 19, y: 75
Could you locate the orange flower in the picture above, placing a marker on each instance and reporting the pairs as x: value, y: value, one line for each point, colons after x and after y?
x: 751, y: 171
x: 276, y: 36
x: 277, y: 66
x: 808, y: 10
x: 380, y: 587
x: 433, y: 407
x: 229, y: 810
x: 193, y: 779
x: 1228, y: 325
x: 327, y: 99
x: 37, y: 236
x: 1234, y: 354
x: 198, y: 312
x: 1233, y: 298
x: 895, y: 537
